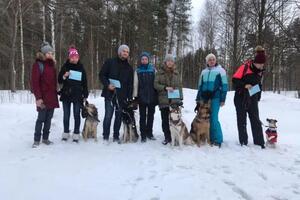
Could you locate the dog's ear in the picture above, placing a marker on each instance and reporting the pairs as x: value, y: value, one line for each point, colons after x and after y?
x: 276, y: 121
x: 268, y: 120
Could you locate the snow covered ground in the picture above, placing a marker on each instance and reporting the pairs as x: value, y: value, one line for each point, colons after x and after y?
x: 150, y: 171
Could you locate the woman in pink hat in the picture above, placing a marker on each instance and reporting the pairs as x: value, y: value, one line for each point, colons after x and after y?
x: 73, y: 79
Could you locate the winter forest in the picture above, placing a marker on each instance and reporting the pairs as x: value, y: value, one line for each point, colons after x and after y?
x: 229, y: 28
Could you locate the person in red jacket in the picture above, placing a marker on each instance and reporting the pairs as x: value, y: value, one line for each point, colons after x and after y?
x: 44, y: 88
x: 247, y: 77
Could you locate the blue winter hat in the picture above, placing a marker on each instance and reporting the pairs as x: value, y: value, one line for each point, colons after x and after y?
x: 145, y: 54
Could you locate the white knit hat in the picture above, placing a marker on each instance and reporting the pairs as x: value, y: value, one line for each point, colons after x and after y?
x: 209, y: 56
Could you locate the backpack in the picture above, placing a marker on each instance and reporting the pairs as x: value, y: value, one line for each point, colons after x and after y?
x: 41, y: 70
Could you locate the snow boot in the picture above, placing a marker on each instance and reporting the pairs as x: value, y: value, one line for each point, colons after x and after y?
x: 35, y: 144
x: 65, y: 136
x: 76, y: 138
x: 47, y: 142
x: 165, y: 142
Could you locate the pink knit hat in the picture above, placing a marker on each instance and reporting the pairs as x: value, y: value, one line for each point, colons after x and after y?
x: 73, y: 52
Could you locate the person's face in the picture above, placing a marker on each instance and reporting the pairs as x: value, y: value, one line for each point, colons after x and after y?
x: 49, y: 55
x: 124, y: 54
x: 211, y: 62
x: 74, y: 59
x: 259, y: 66
x: 144, y: 60
x: 170, y: 64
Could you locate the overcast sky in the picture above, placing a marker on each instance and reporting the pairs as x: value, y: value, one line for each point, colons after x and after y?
x: 197, y: 4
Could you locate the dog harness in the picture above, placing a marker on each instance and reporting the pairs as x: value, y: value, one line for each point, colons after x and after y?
x: 272, y: 135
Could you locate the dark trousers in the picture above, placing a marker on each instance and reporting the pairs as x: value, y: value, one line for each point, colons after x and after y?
x: 110, y: 108
x: 243, y: 106
x: 165, y: 123
x: 146, y: 119
x: 43, y: 122
x: 76, y: 112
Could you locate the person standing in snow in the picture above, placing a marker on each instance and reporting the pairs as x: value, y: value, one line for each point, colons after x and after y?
x: 167, y: 80
x: 44, y: 88
x: 74, y: 91
x: 213, y: 86
x: 116, y: 75
x: 247, y: 76
x: 146, y: 95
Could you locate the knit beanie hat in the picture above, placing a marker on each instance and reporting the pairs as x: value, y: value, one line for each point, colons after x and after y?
x: 145, y: 54
x: 122, y: 47
x: 209, y: 56
x: 73, y: 52
x: 260, y: 55
x: 169, y: 57
x: 46, y: 48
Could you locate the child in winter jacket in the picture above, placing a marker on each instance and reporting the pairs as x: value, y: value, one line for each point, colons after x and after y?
x: 74, y: 91
x: 146, y: 95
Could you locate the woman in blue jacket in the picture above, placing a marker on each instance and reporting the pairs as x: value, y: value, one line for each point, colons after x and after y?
x: 213, y: 87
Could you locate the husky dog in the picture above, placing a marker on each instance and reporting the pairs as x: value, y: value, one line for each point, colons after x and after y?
x: 179, y: 131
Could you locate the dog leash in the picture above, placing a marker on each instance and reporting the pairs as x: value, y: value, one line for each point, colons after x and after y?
x: 115, y: 96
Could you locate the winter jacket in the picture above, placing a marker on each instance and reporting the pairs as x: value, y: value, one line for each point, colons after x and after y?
x: 122, y: 71
x: 165, y: 79
x: 43, y: 81
x: 212, y: 84
x: 73, y: 90
x: 247, y: 74
x: 144, y: 85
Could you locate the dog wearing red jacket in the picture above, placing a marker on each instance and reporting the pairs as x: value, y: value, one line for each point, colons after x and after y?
x: 271, y: 132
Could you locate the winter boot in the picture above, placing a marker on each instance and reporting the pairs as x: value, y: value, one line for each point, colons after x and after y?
x: 75, y: 138
x: 65, y: 136
x: 35, y: 144
x: 47, y: 142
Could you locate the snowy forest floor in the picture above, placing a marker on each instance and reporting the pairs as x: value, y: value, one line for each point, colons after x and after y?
x: 150, y: 171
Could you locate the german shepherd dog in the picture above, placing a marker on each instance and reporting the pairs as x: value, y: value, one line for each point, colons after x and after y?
x: 201, y: 124
x: 179, y: 131
x: 90, y: 113
x: 130, y: 134
x: 271, y: 133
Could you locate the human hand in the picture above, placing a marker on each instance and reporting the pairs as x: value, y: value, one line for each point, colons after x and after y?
x: 248, y: 86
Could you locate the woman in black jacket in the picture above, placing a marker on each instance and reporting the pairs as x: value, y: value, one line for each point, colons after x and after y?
x: 247, y: 77
x: 74, y: 91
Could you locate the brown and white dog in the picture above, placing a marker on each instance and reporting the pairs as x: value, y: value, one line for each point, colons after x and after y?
x: 179, y: 132
x: 201, y: 124
x: 130, y: 134
x: 90, y: 113
x: 271, y: 132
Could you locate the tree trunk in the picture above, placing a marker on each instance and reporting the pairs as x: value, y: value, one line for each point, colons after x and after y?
x: 44, y: 21
x: 52, y: 9
x: 171, y: 42
x: 261, y: 18
x: 92, y: 57
x: 235, y: 33
x: 22, y: 47
x: 13, y: 54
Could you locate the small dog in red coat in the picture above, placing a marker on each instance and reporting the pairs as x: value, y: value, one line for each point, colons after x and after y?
x: 271, y: 132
